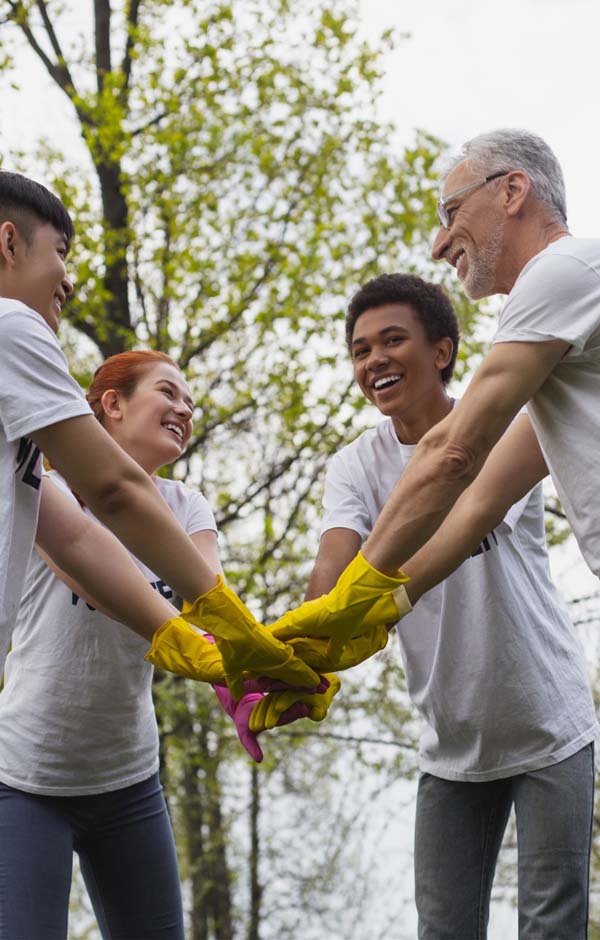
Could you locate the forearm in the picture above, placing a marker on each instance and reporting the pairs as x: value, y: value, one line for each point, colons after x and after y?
x: 451, y: 454
x: 94, y: 559
x: 159, y: 541
x: 433, y: 481
x: 512, y: 469
x: 124, y: 498
x: 337, y: 548
x: 458, y: 537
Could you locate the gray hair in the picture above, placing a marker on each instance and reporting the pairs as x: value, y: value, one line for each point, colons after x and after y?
x: 509, y: 149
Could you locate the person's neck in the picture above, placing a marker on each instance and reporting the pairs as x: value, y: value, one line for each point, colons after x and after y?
x: 413, y: 424
x: 526, y: 243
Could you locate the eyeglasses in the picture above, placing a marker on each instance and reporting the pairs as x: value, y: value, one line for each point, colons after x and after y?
x: 444, y: 215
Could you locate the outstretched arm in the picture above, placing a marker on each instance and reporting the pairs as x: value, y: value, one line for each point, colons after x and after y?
x: 512, y: 469
x: 95, y: 560
x: 123, y: 497
x: 337, y: 548
x: 451, y: 454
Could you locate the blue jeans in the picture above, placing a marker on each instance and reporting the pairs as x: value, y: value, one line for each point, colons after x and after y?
x: 127, y: 855
x: 458, y: 834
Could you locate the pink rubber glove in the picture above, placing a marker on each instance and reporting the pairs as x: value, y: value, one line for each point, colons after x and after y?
x: 240, y: 713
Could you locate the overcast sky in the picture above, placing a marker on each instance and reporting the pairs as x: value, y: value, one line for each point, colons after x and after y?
x: 473, y: 66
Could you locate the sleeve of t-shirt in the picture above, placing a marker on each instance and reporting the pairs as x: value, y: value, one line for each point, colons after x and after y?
x: 344, y: 507
x: 556, y: 297
x: 200, y: 516
x: 36, y: 389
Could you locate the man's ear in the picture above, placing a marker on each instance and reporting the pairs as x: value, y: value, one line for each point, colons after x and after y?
x: 445, y: 348
x: 517, y: 187
x: 111, y: 404
x: 9, y: 237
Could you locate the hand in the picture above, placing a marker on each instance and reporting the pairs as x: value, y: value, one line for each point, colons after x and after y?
x: 245, y: 645
x: 241, y: 712
x: 178, y: 648
x: 267, y: 713
x: 317, y: 654
x: 362, y: 598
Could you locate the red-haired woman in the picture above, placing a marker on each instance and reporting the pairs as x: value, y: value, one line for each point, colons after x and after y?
x: 78, y: 735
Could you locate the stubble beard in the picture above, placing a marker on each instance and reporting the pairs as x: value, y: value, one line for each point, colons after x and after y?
x: 481, y: 277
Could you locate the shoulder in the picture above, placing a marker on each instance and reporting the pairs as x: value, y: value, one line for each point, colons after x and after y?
x: 561, y: 261
x: 186, y: 502
x: 17, y: 318
x: 367, y: 444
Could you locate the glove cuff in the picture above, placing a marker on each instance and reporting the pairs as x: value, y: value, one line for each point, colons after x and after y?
x: 218, y: 605
x: 360, y: 565
x: 402, y: 600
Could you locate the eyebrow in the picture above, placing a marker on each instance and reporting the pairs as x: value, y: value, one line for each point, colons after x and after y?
x: 383, y: 332
x: 187, y: 398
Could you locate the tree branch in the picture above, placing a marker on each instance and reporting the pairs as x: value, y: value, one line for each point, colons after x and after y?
x: 133, y: 10
x: 102, y: 37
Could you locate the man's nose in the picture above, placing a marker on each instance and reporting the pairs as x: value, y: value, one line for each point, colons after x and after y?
x: 377, y: 355
x: 440, y: 244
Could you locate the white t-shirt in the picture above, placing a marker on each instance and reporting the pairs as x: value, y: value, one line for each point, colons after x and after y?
x: 76, y: 712
x: 557, y: 296
x: 36, y: 391
x: 491, y: 659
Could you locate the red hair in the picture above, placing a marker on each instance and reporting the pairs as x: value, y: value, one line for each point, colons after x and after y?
x: 122, y: 372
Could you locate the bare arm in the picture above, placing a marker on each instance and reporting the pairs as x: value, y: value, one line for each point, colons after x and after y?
x: 451, y: 454
x: 124, y: 498
x: 513, y: 467
x: 337, y: 548
x: 205, y: 542
x: 94, y: 559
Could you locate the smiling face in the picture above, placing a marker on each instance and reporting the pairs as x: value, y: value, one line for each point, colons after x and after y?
x: 397, y: 367
x: 154, y: 423
x: 35, y: 273
x: 474, y: 241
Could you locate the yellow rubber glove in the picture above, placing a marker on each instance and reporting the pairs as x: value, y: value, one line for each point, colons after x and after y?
x: 247, y: 648
x: 315, y: 651
x: 344, y: 612
x: 179, y: 648
x: 266, y: 713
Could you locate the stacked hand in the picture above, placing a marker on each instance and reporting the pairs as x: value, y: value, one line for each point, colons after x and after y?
x: 362, y: 599
x: 257, y: 712
x: 244, y: 645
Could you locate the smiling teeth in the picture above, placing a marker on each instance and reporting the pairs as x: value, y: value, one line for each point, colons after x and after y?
x: 173, y: 427
x: 381, y: 383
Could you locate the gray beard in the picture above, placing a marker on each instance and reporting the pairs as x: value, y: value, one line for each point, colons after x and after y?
x: 481, y: 276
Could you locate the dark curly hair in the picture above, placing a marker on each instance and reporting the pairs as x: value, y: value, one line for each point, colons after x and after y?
x: 429, y: 302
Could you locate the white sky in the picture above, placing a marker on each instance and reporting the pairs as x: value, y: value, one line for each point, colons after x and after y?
x: 472, y: 66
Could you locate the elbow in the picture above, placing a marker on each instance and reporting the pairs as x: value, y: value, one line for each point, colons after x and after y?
x: 452, y: 462
x: 113, y: 494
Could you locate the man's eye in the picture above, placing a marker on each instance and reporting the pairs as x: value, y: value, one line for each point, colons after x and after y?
x: 360, y: 353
